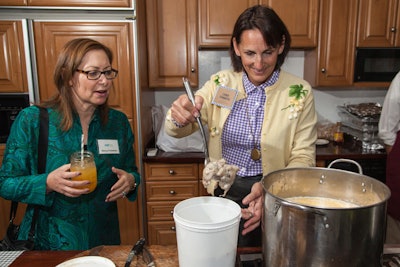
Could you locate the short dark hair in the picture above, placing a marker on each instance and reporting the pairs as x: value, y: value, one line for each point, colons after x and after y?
x: 270, y: 25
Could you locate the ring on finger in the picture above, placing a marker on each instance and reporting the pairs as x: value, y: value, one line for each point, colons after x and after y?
x: 250, y: 214
x: 123, y: 194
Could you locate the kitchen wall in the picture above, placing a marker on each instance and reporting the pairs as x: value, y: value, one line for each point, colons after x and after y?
x: 326, y: 99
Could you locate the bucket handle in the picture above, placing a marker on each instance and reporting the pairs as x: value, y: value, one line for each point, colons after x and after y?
x: 348, y: 161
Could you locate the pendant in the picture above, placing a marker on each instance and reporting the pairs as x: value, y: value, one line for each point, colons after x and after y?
x: 255, y: 154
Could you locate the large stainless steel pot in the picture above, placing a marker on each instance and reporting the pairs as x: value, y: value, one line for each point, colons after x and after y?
x: 300, y: 235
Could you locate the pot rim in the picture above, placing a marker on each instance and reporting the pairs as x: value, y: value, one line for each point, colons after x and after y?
x: 283, y: 200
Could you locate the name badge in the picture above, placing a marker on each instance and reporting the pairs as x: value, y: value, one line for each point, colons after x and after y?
x: 108, y: 146
x: 225, y: 97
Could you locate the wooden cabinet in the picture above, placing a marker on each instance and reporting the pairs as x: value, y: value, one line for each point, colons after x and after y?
x: 13, y: 2
x: 68, y: 3
x: 166, y: 185
x: 331, y: 64
x: 50, y: 37
x: 301, y: 19
x: 172, y: 42
x: 378, y: 23
x: 217, y: 19
x: 13, y: 77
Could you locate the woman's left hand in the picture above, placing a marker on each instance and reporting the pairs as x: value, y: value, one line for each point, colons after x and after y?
x: 253, y: 213
x: 125, y: 184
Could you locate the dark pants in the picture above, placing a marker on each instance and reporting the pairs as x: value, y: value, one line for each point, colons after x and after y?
x: 241, y: 188
x: 393, y: 179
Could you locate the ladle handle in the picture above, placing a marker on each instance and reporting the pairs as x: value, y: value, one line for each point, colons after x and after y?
x: 188, y: 90
x: 203, y: 133
x: 279, y: 203
x: 348, y: 161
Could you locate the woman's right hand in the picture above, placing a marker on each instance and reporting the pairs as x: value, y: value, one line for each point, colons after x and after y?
x: 60, y: 181
x: 183, y: 111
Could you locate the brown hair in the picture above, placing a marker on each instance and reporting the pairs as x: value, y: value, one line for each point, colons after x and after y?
x: 270, y: 25
x: 68, y: 61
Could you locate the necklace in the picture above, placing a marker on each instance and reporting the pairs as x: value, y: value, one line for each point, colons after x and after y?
x: 255, y: 152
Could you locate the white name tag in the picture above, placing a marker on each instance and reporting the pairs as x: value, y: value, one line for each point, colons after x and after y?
x: 225, y: 97
x: 108, y: 146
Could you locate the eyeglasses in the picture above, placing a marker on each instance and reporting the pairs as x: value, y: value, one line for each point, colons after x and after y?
x: 95, y: 74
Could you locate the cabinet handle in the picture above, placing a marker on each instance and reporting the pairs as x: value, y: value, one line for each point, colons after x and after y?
x: 323, y: 70
x: 173, y: 228
x: 172, y: 212
x: 393, y: 29
x: 171, y: 171
x: 172, y: 192
x: 193, y: 70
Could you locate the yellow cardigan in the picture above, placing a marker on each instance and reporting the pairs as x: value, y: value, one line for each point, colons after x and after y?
x: 285, y: 142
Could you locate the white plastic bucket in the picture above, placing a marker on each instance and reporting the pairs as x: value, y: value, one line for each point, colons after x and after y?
x: 207, y: 231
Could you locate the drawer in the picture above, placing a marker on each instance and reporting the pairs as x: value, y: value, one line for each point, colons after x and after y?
x: 161, y: 233
x: 161, y: 210
x: 176, y: 190
x: 159, y: 171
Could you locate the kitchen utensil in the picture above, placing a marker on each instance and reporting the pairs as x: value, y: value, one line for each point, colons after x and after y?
x: 198, y: 119
x: 307, y: 235
x: 137, y: 248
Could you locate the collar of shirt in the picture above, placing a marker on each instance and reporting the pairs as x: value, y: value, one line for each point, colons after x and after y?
x: 250, y: 87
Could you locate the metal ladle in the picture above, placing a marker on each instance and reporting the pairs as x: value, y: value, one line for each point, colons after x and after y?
x: 198, y: 119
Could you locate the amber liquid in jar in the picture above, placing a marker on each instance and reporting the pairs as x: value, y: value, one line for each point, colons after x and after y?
x: 338, y: 137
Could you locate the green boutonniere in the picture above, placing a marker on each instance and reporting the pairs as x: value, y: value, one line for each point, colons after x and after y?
x: 297, y: 94
x: 219, y: 79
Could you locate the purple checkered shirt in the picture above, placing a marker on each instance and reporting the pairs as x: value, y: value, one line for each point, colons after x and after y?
x: 237, y: 135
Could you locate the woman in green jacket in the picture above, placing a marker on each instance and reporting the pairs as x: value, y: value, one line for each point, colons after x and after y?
x: 71, y: 218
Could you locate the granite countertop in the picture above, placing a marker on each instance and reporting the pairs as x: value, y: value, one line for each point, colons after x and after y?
x: 165, y: 256
x: 350, y: 150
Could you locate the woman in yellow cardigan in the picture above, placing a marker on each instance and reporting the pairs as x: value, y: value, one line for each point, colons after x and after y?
x: 260, y: 117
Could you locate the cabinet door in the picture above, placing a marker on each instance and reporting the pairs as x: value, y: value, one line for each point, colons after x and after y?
x: 172, y: 42
x: 331, y: 64
x: 13, y: 77
x: 378, y: 23
x: 217, y: 19
x: 13, y: 2
x: 301, y: 19
x: 80, y: 3
x: 162, y: 233
x: 50, y: 37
